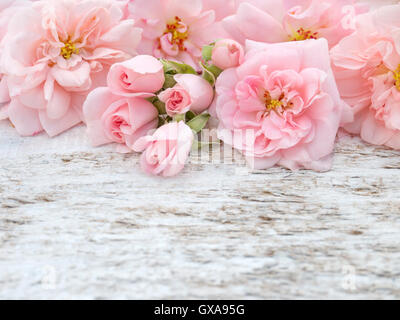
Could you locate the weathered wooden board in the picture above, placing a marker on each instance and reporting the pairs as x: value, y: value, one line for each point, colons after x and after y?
x: 78, y: 222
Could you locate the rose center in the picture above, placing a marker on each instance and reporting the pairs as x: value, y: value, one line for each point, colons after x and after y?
x: 396, y: 77
x: 303, y: 34
x: 68, y: 50
x: 179, y: 33
x: 276, y: 105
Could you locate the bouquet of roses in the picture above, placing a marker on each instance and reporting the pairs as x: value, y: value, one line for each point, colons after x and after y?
x: 279, y: 77
x: 151, y: 106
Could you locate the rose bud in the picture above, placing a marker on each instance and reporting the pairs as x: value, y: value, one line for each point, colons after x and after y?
x: 139, y: 76
x: 115, y: 119
x: 177, y: 100
x: 165, y: 153
x: 200, y: 91
x: 227, y: 54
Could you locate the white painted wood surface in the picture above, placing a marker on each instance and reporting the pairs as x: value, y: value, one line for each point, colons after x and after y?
x: 78, y: 222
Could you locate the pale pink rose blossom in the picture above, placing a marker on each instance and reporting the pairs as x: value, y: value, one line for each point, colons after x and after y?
x: 115, y: 119
x: 165, y: 153
x: 222, y: 8
x: 367, y: 70
x: 175, y: 29
x: 227, y: 54
x: 177, y: 100
x: 138, y: 76
x: 7, y: 10
x: 281, y: 106
x: 55, y: 52
x: 274, y: 21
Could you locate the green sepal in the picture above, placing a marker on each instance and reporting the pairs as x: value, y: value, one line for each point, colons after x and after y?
x: 207, y: 52
x: 211, y: 73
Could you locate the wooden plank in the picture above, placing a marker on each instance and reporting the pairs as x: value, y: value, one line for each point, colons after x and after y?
x: 78, y: 222
x: 86, y: 223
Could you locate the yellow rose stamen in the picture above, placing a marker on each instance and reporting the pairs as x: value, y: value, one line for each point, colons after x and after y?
x: 272, y: 104
x: 396, y: 77
x: 303, y: 34
x: 68, y: 50
x: 178, y: 37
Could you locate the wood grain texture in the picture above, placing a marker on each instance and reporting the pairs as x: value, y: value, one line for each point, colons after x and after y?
x: 78, y: 222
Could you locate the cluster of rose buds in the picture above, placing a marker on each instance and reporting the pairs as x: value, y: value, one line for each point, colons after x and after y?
x: 151, y: 106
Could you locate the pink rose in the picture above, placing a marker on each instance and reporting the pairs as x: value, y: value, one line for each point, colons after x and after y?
x: 134, y: 77
x: 177, y: 100
x: 200, y: 91
x: 273, y: 21
x: 227, y: 54
x: 167, y: 150
x: 7, y: 10
x: 177, y: 30
x: 281, y: 106
x: 191, y: 92
x: 55, y: 52
x: 115, y: 119
x: 367, y: 70
x: 222, y: 8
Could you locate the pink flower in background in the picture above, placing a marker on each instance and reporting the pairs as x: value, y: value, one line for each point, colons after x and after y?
x: 175, y: 29
x: 367, y: 70
x: 222, y: 8
x: 281, y: 106
x: 292, y: 20
x: 165, y: 153
x: 136, y: 77
x: 7, y: 10
x: 55, y: 52
x: 227, y: 54
x: 115, y: 119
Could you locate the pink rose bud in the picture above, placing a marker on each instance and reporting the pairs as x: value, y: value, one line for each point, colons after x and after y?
x: 177, y: 100
x: 200, y: 91
x: 165, y: 153
x: 140, y: 76
x: 227, y: 54
x: 115, y: 119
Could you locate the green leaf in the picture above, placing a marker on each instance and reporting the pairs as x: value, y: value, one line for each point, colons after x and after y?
x: 207, y: 52
x: 172, y: 67
x: 190, y: 115
x: 168, y: 67
x: 161, y: 121
x: 179, y: 117
x: 160, y: 106
x: 198, y: 123
x: 200, y: 145
x: 169, y: 81
x: 183, y: 68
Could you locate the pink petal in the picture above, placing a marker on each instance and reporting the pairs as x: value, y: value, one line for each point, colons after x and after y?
x: 25, y: 120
